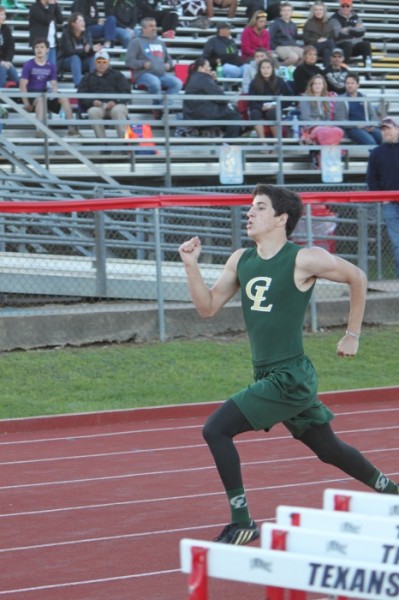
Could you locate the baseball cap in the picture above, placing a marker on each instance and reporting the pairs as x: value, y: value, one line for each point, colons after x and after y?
x: 389, y: 122
x: 101, y: 54
x: 345, y: 2
x: 223, y: 25
x: 337, y: 51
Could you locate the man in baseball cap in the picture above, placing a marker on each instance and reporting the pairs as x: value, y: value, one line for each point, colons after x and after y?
x: 383, y: 174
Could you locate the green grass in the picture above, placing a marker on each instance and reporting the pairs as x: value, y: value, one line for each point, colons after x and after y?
x: 126, y: 376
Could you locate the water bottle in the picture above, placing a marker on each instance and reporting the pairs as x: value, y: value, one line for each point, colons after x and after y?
x: 295, y: 127
x: 62, y: 114
x: 368, y: 62
x: 219, y: 69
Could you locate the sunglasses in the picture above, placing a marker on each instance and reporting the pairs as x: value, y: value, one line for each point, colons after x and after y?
x: 345, y: 5
x: 101, y: 60
x: 261, y: 15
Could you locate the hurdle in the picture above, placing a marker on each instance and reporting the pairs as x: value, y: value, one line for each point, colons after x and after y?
x: 383, y: 505
x: 338, y: 522
x: 345, y: 552
x: 307, y: 572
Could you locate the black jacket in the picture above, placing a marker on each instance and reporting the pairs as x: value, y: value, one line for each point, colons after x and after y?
x: 224, y: 48
x: 303, y: 74
x: 111, y: 82
x: 124, y: 11
x: 40, y: 19
x: 7, y: 46
x: 70, y: 45
x: 202, y: 83
x: 88, y: 8
x: 283, y: 90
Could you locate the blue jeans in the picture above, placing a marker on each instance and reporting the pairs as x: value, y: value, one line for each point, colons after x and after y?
x: 124, y: 36
x: 155, y: 84
x: 10, y: 74
x: 107, y: 32
x: 232, y: 70
x: 391, y: 215
x: 361, y: 136
x: 52, y: 56
x: 77, y: 66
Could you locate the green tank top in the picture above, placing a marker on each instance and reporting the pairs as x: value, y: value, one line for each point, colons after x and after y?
x: 274, y: 309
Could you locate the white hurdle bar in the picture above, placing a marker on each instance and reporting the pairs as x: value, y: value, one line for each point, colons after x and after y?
x: 310, y: 573
x: 329, y: 520
x: 367, y: 503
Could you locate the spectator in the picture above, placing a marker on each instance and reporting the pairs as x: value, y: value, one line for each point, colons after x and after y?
x: 37, y: 74
x: 358, y: 111
x: 201, y: 81
x: 44, y: 16
x: 150, y: 63
x: 336, y: 73
x: 76, y: 48
x: 250, y: 69
x: 319, y: 32
x: 306, y: 70
x: 284, y: 37
x: 101, y: 28
x: 221, y: 47
x: 8, y: 73
x: 266, y: 83
x: 165, y: 18
x: 125, y: 13
x: 349, y: 32
x: 319, y: 107
x: 255, y: 35
x: 272, y: 9
x: 382, y: 175
x: 231, y: 5
x: 105, y: 80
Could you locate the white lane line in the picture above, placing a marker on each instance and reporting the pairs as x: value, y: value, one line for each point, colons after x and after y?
x: 175, y: 428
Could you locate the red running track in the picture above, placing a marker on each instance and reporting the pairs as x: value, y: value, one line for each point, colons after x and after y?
x: 96, y: 511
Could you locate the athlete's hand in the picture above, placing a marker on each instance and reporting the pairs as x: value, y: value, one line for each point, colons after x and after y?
x: 347, y: 346
x: 189, y: 251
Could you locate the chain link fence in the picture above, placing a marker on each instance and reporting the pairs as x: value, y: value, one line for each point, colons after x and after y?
x: 115, y: 275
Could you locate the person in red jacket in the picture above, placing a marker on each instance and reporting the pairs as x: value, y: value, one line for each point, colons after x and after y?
x: 255, y: 35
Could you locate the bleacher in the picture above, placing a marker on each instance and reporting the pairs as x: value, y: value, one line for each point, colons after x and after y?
x: 190, y: 159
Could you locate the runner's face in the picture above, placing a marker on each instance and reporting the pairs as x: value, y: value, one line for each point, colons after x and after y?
x: 261, y: 216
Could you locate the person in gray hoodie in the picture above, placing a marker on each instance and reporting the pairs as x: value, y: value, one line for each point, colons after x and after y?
x: 149, y: 62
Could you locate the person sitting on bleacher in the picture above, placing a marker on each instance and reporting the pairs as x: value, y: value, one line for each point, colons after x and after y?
x: 318, y: 106
x: 271, y: 7
x: 165, y: 17
x: 150, y: 64
x: 284, y: 37
x: 201, y: 81
x: 222, y: 47
x: 101, y: 28
x: 44, y: 16
x: 349, y: 32
x: 318, y: 31
x: 255, y: 35
x: 37, y: 74
x: 336, y: 73
x: 362, y: 110
x: 306, y: 70
x: 125, y: 13
x: 8, y: 73
x: 105, y: 80
x: 231, y: 5
x: 266, y: 83
x: 251, y: 68
x: 76, y: 48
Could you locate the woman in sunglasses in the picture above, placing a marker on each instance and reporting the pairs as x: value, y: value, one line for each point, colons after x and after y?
x: 349, y: 32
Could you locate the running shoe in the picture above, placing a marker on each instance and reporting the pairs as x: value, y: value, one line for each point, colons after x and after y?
x: 237, y: 534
